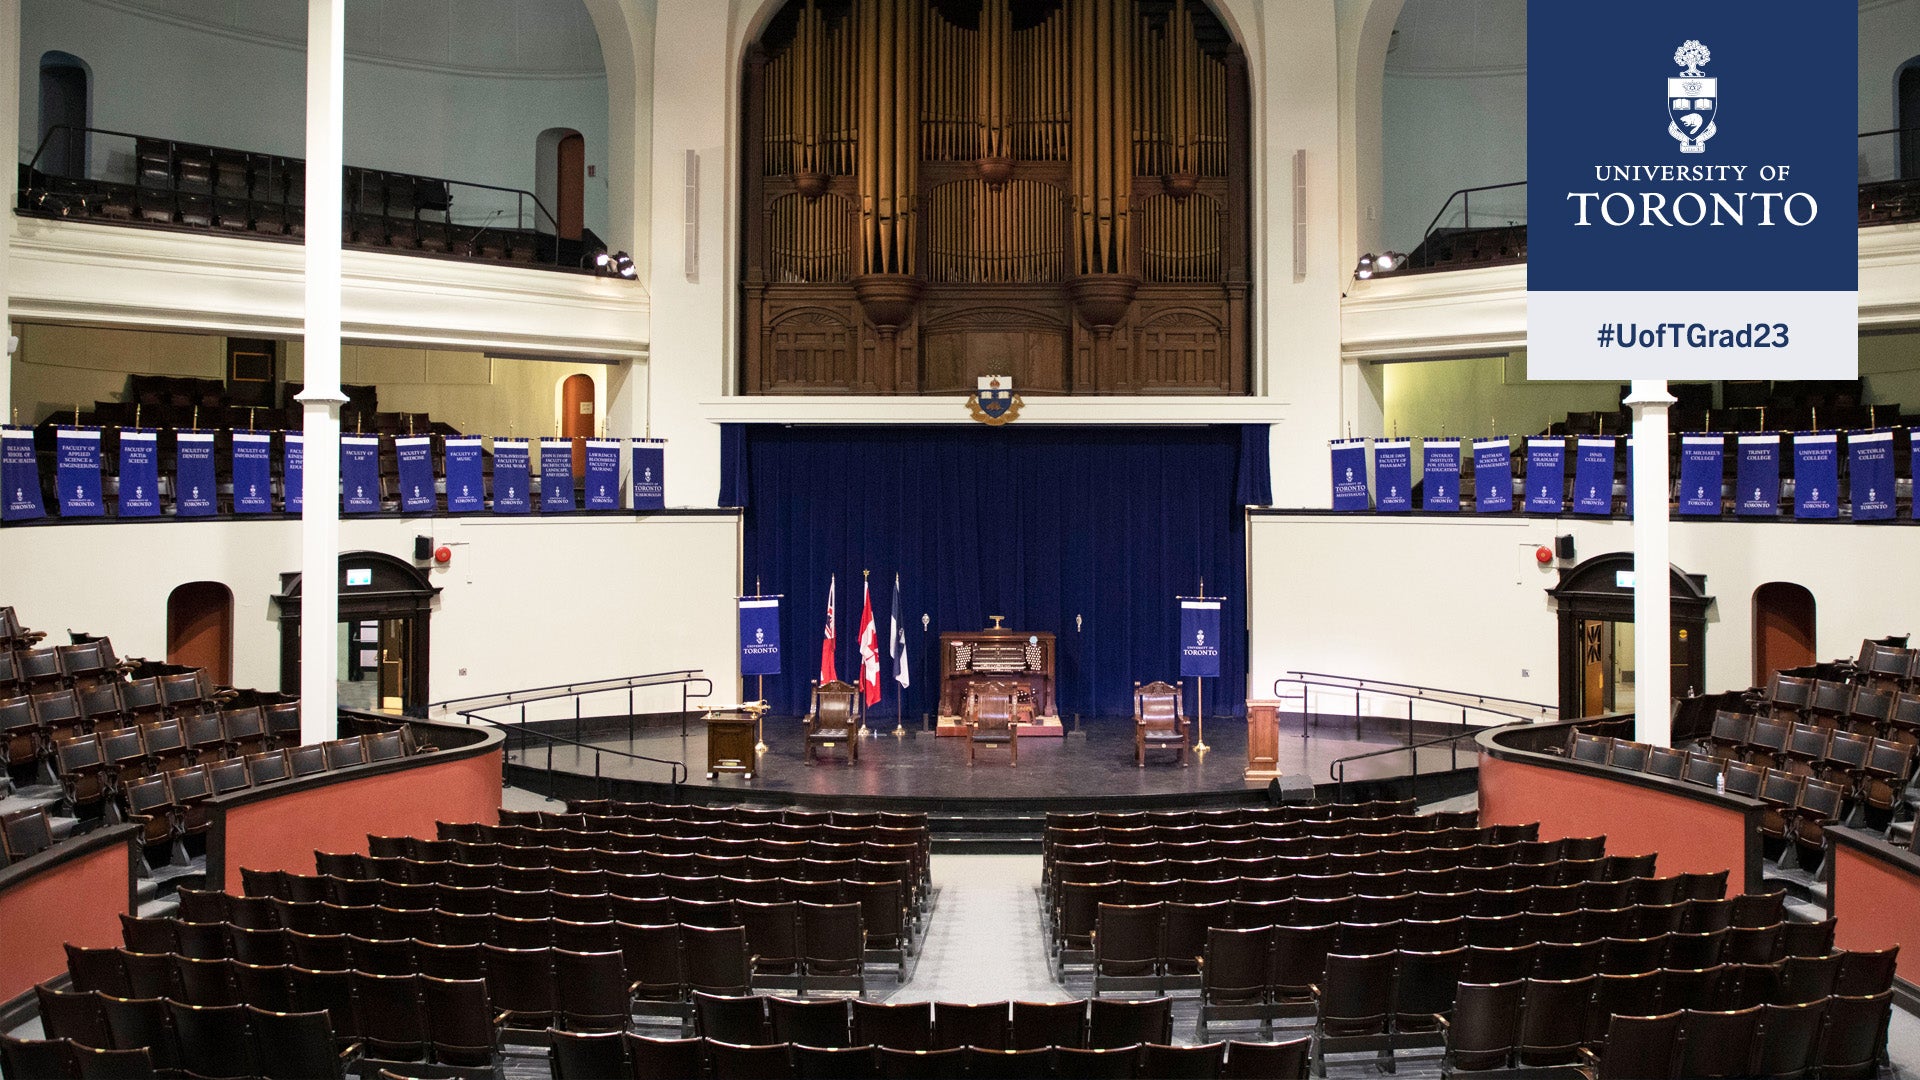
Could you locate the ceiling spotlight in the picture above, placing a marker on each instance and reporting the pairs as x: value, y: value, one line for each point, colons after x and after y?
x: 1365, y: 270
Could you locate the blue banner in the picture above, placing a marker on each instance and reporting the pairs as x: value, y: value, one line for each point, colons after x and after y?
x: 1200, y: 638
x: 414, y: 455
x: 1492, y: 475
x: 1870, y: 475
x: 20, y: 476
x: 293, y: 480
x: 1629, y: 476
x: 1593, y: 476
x: 1440, y: 475
x: 1756, y: 479
x: 1349, y: 458
x: 510, y: 477
x: 252, y: 472
x: 1546, y: 476
x: 359, y: 474
x: 76, y: 469
x: 759, y: 635
x: 139, y: 472
x: 649, y: 475
x: 1393, y: 476
x: 601, y: 488
x: 1702, y: 461
x: 466, y: 476
x: 194, y: 494
x: 556, y: 476
x: 1816, y: 475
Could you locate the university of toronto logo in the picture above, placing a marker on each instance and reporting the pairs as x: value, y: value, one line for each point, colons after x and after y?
x: 1692, y: 99
x: 994, y: 403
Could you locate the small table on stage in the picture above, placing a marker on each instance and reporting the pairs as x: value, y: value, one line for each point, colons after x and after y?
x: 730, y: 736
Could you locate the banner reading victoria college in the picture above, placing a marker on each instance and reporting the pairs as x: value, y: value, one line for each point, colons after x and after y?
x: 1691, y: 174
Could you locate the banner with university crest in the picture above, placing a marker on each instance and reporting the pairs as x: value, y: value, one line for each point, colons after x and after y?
x: 466, y: 476
x: 293, y: 473
x: 1546, y: 476
x: 759, y: 635
x: 1756, y: 483
x: 359, y: 474
x: 76, y: 469
x: 1199, y: 638
x: 511, y: 473
x: 194, y: 494
x: 1349, y: 474
x: 1870, y: 475
x: 602, y: 483
x: 556, y: 475
x: 414, y: 455
x: 252, y: 472
x: 1492, y: 475
x: 1393, y: 476
x: 20, y: 474
x: 139, y: 473
x: 1440, y: 475
x: 1816, y: 475
x: 1702, y: 459
x: 649, y: 474
x: 1593, y: 476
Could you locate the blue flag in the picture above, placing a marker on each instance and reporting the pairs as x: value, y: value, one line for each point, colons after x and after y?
x: 510, y: 476
x: 139, y: 472
x: 649, y: 474
x: 1870, y: 475
x: 1349, y: 474
x: 759, y: 635
x: 1593, y: 476
x: 1546, y: 476
x: 194, y: 494
x: 602, y: 484
x: 20, y: 475
x: 293, y: 479
x: 1200, y: 638
x: 414, y: 455
x: 1816, y: 475
x: 556, y: 476
x: 1440, y: 480
x: 1492, y: 475
x: 466, y: 477
x: 76, y: 468
x: 1393, y: 476
x: 897, y: 640
x: 252, y: 472
x: 360, y: 474
x: 1702, y: 457
x: 1756, y: 484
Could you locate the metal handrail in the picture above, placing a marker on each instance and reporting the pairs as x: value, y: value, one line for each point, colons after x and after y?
x: 685, y: 678
x: 541, y: 693
x: 1887, y: 131
x: 1465, y: 195
x: 1477, y: 696
x: 1337, y: 769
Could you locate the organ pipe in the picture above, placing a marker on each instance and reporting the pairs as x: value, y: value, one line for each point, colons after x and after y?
x: 1102, y: 132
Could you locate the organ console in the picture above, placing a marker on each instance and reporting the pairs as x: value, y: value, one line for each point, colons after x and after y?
x: 1015, y: 659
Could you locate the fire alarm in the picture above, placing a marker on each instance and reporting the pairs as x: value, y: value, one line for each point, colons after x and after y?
x: 1542, y: 554
x: 444, y: 555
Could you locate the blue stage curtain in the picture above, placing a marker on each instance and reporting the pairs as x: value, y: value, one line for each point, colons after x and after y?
x: 733, y: 464
x: 1255, y: 485
x: 1037, y: 524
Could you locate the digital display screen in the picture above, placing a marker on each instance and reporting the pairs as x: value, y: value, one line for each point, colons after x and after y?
x: 359, y: 575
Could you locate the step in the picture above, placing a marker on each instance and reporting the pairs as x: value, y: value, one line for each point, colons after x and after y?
x: 965, y: 844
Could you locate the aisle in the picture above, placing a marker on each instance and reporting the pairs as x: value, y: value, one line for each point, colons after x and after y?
x: 984, y: 940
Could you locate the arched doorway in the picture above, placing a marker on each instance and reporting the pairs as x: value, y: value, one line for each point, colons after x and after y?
x: 200, y: 629
x: 1595, y: 604
x: 1783, y: 629
x: 65, y: 104
x: 386, y: 607
x: 576, y: 417
x: 560, y: 180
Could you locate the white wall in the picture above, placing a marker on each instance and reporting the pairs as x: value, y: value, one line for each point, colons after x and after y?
x: 1461, y: 603
x: 1445, y: 132
x: 1889, y: 37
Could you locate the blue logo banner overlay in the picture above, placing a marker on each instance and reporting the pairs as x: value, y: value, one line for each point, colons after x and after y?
x: 556, y: 475
x: 602, y: 486
x: 1816, y: 475
x: 414, y: 455
x: 1200, y: 638
x: 294, y: 472
x: 20, y: 475
x: 649, y: 475
x: 1440, y: 480
x: 466, y: 483
x: 1756, y: 481
x: 1870, y: 475
x: 1492, y: 475
x: 76, y: 466
x: 360, y: 474
x: 1702, y: 458
x: 1393, y: 476
x: 1691, y: 190
x: 759, y: 635
x: 1350, y: 475
x: 1546, y: 475
x: 194, y: 494
x: 510, y: 474
x: 139, y: 473
x: 1593, y: 476
x: 252, y: 472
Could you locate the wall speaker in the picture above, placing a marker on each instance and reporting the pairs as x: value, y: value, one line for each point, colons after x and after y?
x: 423, y: 548
x: 1563, y: 547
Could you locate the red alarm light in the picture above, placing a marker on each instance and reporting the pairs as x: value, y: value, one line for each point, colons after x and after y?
x: 1542, y: 555
x: 444, y: 555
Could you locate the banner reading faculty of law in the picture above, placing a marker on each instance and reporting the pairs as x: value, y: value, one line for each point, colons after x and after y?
x: 1691, y: 174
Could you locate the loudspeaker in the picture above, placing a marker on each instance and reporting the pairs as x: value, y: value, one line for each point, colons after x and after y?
x: 423, y: 548
x: 1563, y: 547
x: 1289, y: 789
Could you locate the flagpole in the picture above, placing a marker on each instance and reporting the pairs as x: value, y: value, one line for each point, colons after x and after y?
x: 895, y: 634
x: 1200, y: 698
x: 760, y: 727
x: 860, y: 643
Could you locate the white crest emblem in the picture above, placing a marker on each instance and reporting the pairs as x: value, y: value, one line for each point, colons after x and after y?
x: 1692, y: 99
x: 759, y: 635
x: 1199, y: 637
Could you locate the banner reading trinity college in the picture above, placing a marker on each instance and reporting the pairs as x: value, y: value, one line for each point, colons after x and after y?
x: 1691, y: 190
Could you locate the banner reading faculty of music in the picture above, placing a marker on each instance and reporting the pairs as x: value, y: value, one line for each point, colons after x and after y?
x: 1691, y: 173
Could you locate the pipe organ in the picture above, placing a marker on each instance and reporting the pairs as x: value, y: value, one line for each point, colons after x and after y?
x: 936, y: 190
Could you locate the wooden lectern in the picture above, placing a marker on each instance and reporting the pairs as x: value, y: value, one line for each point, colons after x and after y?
x: 1263, y: 740
x: 730, y: 737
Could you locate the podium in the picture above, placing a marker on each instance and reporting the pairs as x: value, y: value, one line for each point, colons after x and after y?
x: 1263, y: 739
x: 730, y: 738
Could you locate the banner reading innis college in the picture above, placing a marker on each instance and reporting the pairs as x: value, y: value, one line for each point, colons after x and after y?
x: 1691, y: 190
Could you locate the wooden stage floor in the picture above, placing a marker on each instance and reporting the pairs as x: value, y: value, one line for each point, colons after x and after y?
x: 932, y: 772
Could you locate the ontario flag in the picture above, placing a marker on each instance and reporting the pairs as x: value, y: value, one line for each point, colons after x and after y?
x: 827, y: 672
x: 869, y: 648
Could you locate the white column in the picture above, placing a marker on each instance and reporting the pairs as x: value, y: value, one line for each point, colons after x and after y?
x: 1652, y: 584
x: 9, y: 189
x: 321, y: 399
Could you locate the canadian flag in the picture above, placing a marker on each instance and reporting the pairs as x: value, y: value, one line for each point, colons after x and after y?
x: 827, y: 672
x: 869, y: 648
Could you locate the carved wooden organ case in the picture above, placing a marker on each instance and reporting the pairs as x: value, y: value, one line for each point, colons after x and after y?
x: 937, y: 190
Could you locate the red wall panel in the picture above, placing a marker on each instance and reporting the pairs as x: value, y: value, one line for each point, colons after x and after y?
x: 79, y: 900
x: 1875, y: 904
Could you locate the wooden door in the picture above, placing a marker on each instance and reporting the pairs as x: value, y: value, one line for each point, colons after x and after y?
x: 571, y: 212
x: 576, y: 418
x: 200, y: 629
x: 1783, y: 629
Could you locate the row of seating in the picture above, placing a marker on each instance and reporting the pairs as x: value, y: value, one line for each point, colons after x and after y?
x: 1864, y: 701
x: 923, y: 1026
x: 1872, y: 767
x: 676, y: 837
x: 647, y: 810
x: 1181, y: 828
x: 630, y: 854
x: 202, y: 1042
x: 1253, y: 814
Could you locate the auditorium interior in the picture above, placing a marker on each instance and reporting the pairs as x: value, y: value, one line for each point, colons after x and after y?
x: 934, y: 646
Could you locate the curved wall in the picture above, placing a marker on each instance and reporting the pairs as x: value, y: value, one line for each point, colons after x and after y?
x: 1875, y: 892
x: 75, y: 891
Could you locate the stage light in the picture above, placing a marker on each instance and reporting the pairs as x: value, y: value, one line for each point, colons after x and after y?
x: 623, y: 264
x: 1388, y: 261
x: 601, y: 260
x: 1365, y: 270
